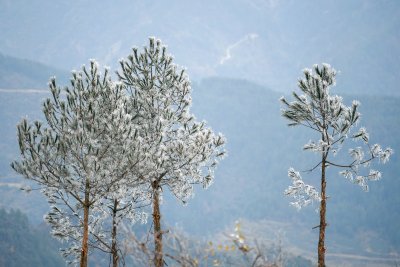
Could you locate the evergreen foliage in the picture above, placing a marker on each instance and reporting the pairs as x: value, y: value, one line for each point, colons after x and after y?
x: 179, y: 152
x: 83, y: 158
x: 109, y: 147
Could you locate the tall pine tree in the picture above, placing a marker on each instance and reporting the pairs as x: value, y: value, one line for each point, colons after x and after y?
x: 179, y: 151
x: 83, y: 157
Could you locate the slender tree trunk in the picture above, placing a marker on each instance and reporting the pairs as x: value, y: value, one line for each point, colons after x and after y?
x: 158, y: 256
x: 84, y: 253
x: 114, y: 249
x: 322, y: 217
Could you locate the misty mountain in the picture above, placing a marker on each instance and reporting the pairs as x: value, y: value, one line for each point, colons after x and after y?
x: 265, y: 41
x: 24, y: 245
x: 16, y: 73
x: 249, y: 183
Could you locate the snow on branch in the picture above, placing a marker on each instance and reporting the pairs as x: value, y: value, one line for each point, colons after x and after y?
x: 302, y: 193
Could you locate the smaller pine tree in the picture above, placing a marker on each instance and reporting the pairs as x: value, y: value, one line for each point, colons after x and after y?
x: 334, y: 123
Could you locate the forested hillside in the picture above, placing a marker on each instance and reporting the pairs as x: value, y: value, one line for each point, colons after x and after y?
x: 24, y: 245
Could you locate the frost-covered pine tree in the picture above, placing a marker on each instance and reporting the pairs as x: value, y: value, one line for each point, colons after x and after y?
x: 334, y: 123
x: 82, y: 158
x: 179, y: 151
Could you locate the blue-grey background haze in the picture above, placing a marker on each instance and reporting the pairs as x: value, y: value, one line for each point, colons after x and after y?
x: 241, y: 55
x: 266, y: 41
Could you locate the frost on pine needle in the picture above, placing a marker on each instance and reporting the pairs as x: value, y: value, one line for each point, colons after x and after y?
x: 302, y: 193
x: 357, y: 154
x: 374, y: 175
x: 385, y: 155
x: 362, y: 134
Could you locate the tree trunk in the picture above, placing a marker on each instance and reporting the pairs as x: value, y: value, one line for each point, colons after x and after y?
x: 114, y: 249
x: 322, y: 218
x: 158, y: 255
x: 84, y: 253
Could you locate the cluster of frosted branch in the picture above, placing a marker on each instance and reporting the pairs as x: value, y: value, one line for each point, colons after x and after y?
x: 353, y: 171
x: 179, y: 152
x: 84, y: 157
x: 107, y: 145
x: 333, y: 121
x: 302, y: 193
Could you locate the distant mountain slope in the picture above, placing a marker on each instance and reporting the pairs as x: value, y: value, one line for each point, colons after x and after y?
x: 23, y: 245
x: 250, y: 182
x: 266, y: 41
x: 16, y: 73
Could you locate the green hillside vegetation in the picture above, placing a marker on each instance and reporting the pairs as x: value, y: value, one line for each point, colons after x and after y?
x: 23, y: 245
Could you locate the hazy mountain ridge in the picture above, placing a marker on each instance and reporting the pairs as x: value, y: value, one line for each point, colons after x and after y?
x: 268, y: 42
x: 24, y: 245
x: 16, y: 73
